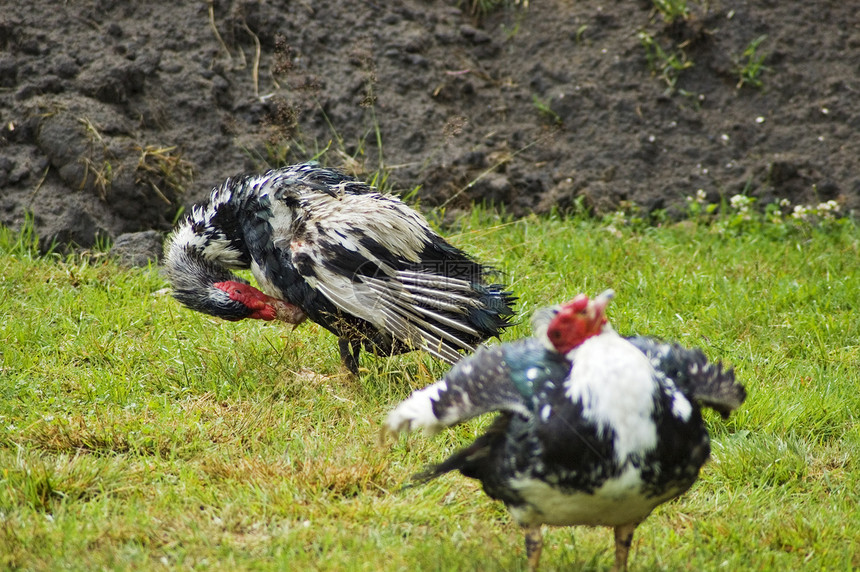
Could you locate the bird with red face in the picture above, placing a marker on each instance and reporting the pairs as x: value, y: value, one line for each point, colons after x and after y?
x: 594, y: 428
x: 326, y: 247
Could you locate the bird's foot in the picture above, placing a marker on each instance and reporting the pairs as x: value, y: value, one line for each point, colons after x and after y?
x: 534, y: 545
x: 349, y: 355
x: 623, y: 541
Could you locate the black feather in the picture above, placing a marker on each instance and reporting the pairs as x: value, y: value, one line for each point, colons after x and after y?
x: 689, y: 369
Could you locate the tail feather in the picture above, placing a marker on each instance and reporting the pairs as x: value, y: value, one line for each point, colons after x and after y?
x: 408, y: 328
x: 496, y: 310
x: 408, y: 300
x: 487, y: 307
x: 434, y: 281
x: 475, y: 455
x: 433, y: 297
x: 448, y: 322
x: 439, y: 314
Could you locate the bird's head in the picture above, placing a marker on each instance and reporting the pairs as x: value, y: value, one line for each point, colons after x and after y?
x: 578, y: 320
x: 257, y: 305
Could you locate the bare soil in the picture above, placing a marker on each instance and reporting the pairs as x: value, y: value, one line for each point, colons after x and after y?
x: 114, y: 114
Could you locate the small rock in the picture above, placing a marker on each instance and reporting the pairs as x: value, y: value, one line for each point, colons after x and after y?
x: 111, y: 80
x: 66, y: 67
x: 138, y: 248
x: 8, y: 71
x: 114, y: 30
x: 474, y: 35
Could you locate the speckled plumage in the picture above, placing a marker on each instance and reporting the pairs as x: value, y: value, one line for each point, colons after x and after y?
x: 358, y: 262
x: 598, y: 436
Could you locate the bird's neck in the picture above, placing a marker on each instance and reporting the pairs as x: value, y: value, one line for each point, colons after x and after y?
x: 204, y: 250
x: 215, y: 231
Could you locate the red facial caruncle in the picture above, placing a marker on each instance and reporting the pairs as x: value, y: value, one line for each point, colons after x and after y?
x: 577, y: 321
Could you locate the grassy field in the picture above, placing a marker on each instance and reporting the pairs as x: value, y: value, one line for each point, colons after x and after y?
x: 135, y: 434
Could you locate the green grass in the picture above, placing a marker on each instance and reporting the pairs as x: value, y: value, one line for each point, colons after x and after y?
x: 666, y: 63
x: 672, y: 9
x: 750, y: 64
x: 135, y: 434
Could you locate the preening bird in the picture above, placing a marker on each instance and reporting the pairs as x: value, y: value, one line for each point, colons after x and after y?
x: 594, y: 429
x: 326, y: 247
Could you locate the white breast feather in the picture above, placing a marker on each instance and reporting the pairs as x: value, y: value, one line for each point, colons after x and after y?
x: 614, y: 382
x: 681, y: 406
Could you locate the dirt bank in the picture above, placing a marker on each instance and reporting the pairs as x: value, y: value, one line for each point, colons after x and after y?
x: 114, y: 114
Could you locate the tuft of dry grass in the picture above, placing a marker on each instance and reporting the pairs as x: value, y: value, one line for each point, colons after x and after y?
x: 313, y: 476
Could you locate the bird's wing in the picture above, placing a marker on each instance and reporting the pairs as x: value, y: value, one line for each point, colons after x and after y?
x: 365, y: 253
x: 689, y: 369
x: 382, y: 226
x: 394, y: 306
x: 497, y: 378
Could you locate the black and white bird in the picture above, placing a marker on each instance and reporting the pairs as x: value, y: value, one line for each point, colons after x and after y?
x: 326, y: 247
x: 594, y: 429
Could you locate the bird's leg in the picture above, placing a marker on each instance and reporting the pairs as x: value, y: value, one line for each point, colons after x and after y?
x: 534, y: 544
x: 349, y: 354
x: 623, y: 541
x: 356, y: 351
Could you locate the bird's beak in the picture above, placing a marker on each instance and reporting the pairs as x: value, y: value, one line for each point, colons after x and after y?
x: 601, y: 300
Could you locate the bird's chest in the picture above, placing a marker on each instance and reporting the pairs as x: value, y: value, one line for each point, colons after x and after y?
x: 618, y: 500
x: 613, y: 387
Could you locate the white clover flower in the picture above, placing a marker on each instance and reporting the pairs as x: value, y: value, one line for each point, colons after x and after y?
x: 784, y: 202
x: 741, y: 203
x: 827, y: 210
x: 800, y: 212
